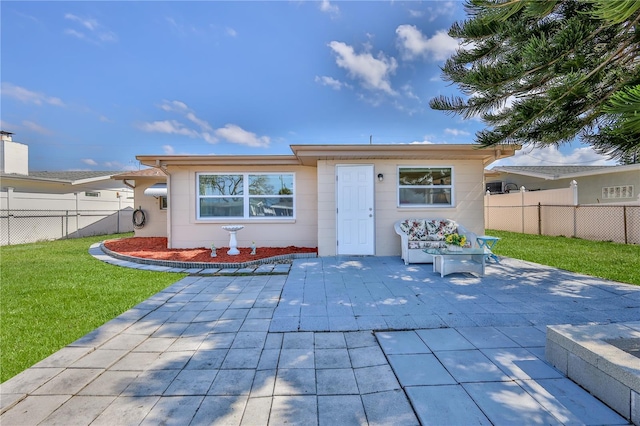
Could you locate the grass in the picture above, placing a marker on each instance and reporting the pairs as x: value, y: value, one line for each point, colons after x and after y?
x: 52, y: 293
x: 603, y: 259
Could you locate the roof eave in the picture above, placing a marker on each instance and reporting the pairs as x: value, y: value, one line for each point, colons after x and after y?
x: 310, y: 154
x: 525, y: 173
x: 614, y: 169
x: 90, y: 180
x: 162, y: 161
x: 35, y: 179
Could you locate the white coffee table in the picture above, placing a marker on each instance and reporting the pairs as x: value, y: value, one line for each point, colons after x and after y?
x: 448, y: 262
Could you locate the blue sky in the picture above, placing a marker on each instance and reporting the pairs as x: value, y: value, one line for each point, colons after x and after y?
x: 90, y: 85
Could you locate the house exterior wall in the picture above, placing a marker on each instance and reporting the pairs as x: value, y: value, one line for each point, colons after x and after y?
x: 468, y: 209
x: 589, y: 187
x: 187, y: 231
x: 155, y: 219
x: 314, y: 224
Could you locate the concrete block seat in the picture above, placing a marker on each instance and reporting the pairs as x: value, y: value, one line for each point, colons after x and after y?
x: 416, y: 235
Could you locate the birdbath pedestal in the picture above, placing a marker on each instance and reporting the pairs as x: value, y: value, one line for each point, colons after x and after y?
x: 233, y: 242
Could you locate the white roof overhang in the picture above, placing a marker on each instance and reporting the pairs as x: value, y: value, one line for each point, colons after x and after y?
x: 308, y: 155
x: 156, y: 190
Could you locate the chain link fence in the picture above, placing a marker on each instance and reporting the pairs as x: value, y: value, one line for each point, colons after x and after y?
x: 617, y: 223
x: 28, y: 226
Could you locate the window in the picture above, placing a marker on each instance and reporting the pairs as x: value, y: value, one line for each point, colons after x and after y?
x: 163, y: 203
x: 623, y: 191
x: 245, y: 195
x: 91, y: 194
x: 425, y: 186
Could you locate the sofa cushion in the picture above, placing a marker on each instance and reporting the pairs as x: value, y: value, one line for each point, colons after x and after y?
x: 426, y: 244
x: 415, y: 229
x: 438, y: 229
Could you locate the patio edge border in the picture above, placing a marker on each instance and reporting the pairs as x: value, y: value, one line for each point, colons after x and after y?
x: 205, y: 265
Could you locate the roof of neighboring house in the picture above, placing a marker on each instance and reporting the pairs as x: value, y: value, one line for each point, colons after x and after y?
x: 70, y: 177
x: 561, y: 172
x: 308, y: 155
x: 150, y: 172
x: 60, y: 182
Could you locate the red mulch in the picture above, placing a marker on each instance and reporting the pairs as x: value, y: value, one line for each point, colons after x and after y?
x: 156, y: 248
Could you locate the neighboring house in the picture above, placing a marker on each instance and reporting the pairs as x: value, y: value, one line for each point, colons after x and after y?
x: 75, y: 202
x: 24, y: 189
x: 596, y: 184
x: 342, y: 199
x: 58, y: 190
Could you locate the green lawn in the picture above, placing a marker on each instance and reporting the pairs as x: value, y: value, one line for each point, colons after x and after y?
x: 52, y: 293
x: 613, y: 261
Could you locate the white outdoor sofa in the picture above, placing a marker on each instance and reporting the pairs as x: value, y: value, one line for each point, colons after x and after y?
x: 416, y: 235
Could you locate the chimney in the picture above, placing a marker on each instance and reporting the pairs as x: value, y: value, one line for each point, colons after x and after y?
x: 6, y: 136
x: 14, y: 156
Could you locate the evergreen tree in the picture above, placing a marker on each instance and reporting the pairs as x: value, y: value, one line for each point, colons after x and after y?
x: 548, y: 72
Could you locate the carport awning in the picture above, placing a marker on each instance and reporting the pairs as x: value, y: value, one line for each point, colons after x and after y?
x: 157, y: 190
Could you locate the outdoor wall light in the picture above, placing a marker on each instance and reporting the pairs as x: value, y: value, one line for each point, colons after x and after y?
x: 380, y: 177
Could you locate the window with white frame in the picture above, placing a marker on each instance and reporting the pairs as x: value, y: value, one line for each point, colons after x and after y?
x: 245, y: 195
x: 425, y: 186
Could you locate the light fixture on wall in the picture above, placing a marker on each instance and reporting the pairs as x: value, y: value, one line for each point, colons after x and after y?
x: 380, y: 177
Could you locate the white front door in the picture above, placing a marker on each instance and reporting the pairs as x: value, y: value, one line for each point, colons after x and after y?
x: 355, y: 209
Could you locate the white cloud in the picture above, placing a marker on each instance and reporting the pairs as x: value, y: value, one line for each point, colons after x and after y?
x: 89, y: 161
x: 329, y: 8
x: 446, y: 8
x: 74, y: 33
x: 200, y: 123
x: 182, y: 108
x: 231, y: 32
x: 116, y: 165
x: 408, y: 92
x: 167, y: 126
x: 175, y: 106
x: 5, y: 125
x: 330, y: 82
x: 456, y: 132
x: 236, y: 134
x: 202, y: 129
x: 29, y: 97
x: 168, y: 149
x: 424, y: 141
x: 412, y: 43
x: 35, y: 127
x: 90, y: 30
x: 373, y: 73
x: 551, y: 156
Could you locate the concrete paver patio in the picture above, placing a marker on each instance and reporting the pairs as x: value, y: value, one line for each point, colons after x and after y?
x: 339, y: 340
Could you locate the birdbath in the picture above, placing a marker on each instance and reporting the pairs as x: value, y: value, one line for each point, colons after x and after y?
x: 233, y: 243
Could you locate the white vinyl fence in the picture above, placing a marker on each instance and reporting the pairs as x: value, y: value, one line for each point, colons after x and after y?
x: 556, y: 212
x: 31, y: 217
x: 28, y: 226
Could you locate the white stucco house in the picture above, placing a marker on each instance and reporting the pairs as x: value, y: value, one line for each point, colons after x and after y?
x: 596, y: 184
x: 342, y: 199
x: 47, y: 205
